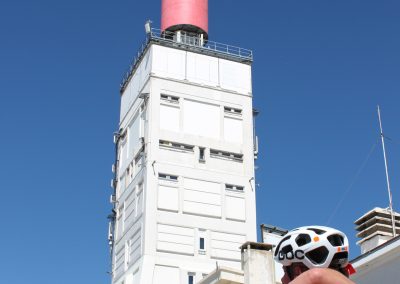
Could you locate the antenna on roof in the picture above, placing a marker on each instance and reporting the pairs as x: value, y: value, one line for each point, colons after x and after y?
x: 387, y: 173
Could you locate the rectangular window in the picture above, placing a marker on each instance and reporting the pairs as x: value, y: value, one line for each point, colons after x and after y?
x: 191, y: 278
x: 170, y: 99
x: 168, y: 177
x: 226, y: 155
x: 177, y: 146
x: 202, y: 241
x: 201, y: 244
x: 202, y: 156
x: 234, y: 187
x: 231, y: 110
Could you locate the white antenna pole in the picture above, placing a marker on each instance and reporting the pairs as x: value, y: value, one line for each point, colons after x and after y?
x: 387, y: 174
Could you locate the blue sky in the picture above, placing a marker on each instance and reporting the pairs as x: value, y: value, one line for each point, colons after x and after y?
x: 320, y: 69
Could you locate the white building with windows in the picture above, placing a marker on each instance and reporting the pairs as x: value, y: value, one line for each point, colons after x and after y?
x: 184, y: 199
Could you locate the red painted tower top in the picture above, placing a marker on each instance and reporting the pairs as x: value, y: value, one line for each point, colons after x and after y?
x: 185, y: 15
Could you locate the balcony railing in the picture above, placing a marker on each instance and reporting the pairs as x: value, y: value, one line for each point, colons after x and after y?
x: 191, y: 42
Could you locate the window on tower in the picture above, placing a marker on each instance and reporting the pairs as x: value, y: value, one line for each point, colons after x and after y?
x: 201, y: 245
x: 176, y: 146
x: 233, y: 111
x: 234, y: 187
x: 202, y: 241
x: 226, y: 155
x: 167, y: 177
x: 202, y: 156
x: 190, y: 278
x: 169, y: 99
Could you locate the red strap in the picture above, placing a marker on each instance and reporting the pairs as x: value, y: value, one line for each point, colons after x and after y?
x: 350, y: 269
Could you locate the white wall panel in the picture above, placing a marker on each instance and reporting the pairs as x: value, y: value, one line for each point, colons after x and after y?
x: 133, y: 136
x: 202, y: 198
x: 235, y: 208
x: 123, y: 155
x: 194, y: 207
x: 145, y: 67
x: 136, y: 277
x: 129, y: 279
x: 235, y: 76
x: 205, y: 186
x: 136, y: 246
x: 226, y: 246
x: 175, y: 230
x: 165, y: 274
x: 169, y: 117
x: 201, y: 119
x: 130, y: 206
x: 233, y: 130
x: 139, y: 205
x: 120, y: 261
x: 135, y: 84
x: 175, y: 239
x: 202, y: 69
x: 168, y: 198
x: 168, y: 62
x: 240, y: 239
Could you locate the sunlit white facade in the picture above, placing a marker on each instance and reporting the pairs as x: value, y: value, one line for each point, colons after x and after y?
x: 185, y: 190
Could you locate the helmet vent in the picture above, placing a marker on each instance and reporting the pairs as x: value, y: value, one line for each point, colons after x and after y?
x: 303, y: 239
x: 317, y: 231
x: 336, y: 240
x: 339, y: 260
x: 287, y: 249
x: 280, y: 243
x: 318, y: 255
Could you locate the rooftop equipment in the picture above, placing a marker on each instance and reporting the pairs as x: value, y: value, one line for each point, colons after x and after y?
x: 375, y: 228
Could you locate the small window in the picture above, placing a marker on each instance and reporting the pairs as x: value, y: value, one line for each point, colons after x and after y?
x: 226, y: 155
x: 201, y: 244
x: 170, y: 99
x: 191, y: 278
x: 202, y: 156
x: 168, y: 177
x: 176, y: 146
x: 202, y: 234
x: 234, y: 187
x: 234, y: 111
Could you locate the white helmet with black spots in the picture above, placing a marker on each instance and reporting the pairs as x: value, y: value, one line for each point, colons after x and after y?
x: 314, y: 246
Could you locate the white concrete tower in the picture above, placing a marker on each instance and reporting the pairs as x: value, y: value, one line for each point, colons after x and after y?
x: 184, y: 199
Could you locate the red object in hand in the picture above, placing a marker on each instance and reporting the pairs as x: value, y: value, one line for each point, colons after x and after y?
x: 184, y: 13
x: 350, y: 269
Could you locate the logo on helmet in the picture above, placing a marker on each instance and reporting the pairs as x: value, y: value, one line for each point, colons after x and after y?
x: 298, y: 254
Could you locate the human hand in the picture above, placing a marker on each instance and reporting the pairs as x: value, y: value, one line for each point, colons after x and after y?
x: 319, y: 276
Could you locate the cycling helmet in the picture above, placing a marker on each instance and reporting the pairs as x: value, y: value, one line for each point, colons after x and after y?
x: 314, y: 246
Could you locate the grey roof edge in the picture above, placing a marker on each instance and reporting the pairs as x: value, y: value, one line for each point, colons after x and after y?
x: 389, y: 242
